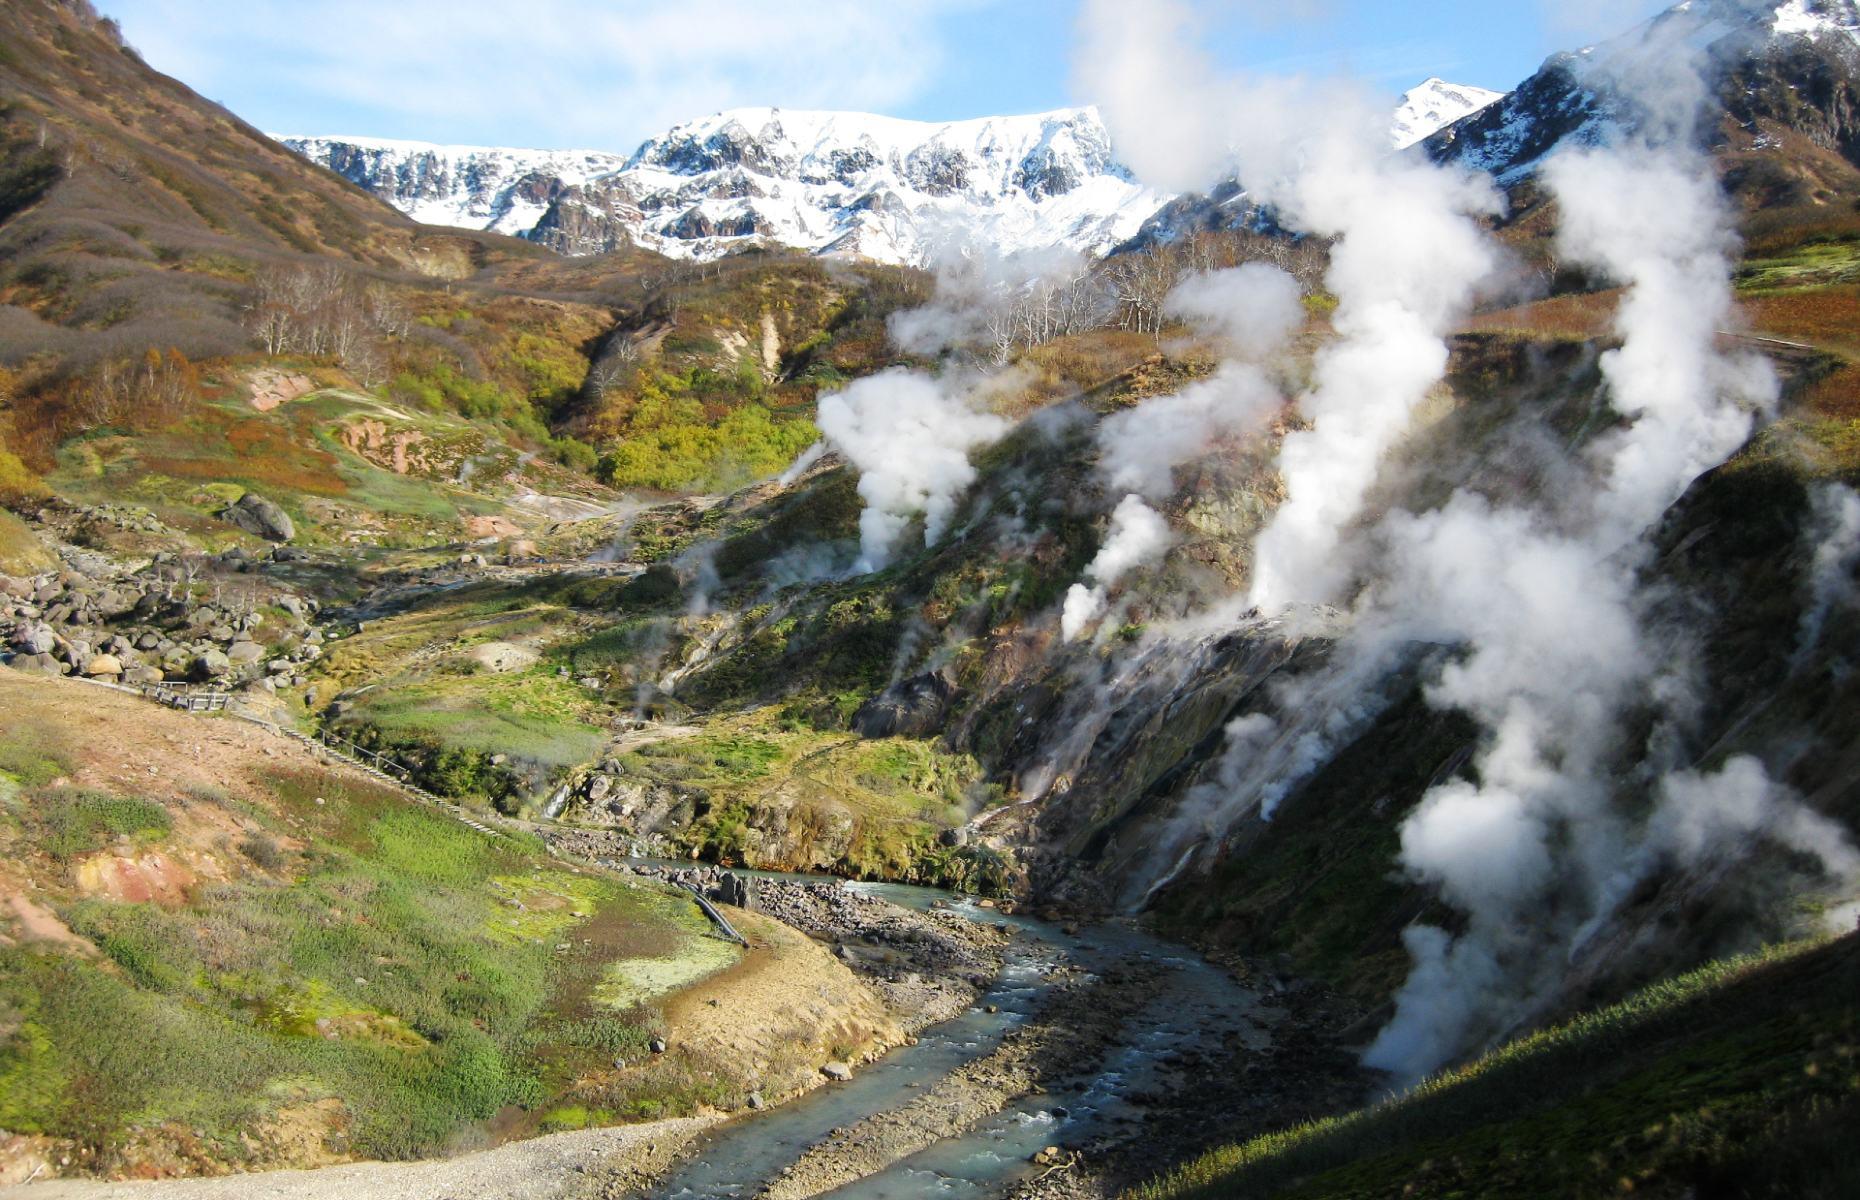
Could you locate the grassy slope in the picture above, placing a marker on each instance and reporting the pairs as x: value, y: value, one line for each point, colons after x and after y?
x: 342, y: 943
x: 314, y: 456
x: 1739, y: 1079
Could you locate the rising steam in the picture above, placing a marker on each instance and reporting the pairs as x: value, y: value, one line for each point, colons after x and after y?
x: 910, y: 440
x: 1533, y: 621
x: 1540, y: 852
x: 1138, y: 536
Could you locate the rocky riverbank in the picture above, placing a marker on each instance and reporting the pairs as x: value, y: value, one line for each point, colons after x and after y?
x: 1059, y: 1048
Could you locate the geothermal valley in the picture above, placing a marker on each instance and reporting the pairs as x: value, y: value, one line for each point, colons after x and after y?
x: 1212, y: 642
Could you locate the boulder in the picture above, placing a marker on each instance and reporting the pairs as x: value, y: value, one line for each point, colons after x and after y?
x: 255, y: 514
x: 839, y: 1072
x: 35, y: 639
x: 78, y: 653
x: 732, y: 889
x: 244, y: 654
x: 212, y: 664
x: 142, y: 676
x: 112, y: 603
x: 104, y: 666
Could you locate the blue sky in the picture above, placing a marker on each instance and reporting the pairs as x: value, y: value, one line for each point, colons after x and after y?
x: 603, y: 74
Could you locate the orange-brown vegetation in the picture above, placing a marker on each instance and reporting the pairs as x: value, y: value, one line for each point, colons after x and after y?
x: 1577, y: 315
x: 1825, y: 316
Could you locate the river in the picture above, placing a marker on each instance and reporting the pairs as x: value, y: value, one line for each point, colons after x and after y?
x: 1195, y: 1006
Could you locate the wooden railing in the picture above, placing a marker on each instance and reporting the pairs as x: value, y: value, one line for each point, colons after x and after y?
x: 379, y: 762
x: 188, y: 700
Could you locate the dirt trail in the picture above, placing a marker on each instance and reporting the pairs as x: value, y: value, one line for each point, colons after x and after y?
x: 557, y: 1167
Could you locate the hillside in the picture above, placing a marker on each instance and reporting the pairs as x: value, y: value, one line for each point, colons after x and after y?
x: 374, y: 978
x: 1735, y: 1080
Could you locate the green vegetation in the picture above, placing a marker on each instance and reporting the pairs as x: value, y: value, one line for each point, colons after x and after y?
x: 1740, y: 1079
x: 424, y: 974
x: 1815, y: 262
x: 76, y: 821
x: 867, y: 809
x: 535, y: 715
x: 667, y: 445
x: 33, y: 752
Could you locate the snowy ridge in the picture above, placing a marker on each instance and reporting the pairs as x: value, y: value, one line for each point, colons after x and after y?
x: 1814, y: 19
x: 883, y: 188
x: 836, y: 183
x: 473, y: 187
x: 1433, y: 106
x: 1588, y: 97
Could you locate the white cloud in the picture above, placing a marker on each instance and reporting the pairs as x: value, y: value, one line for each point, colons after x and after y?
x: 601, y: 75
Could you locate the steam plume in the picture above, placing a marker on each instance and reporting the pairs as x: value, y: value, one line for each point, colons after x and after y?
x: 1538, y: 853
x: 910, y: 441
x: 1536, y: 846
x: 1138, y: 536
x: 1835, y: 529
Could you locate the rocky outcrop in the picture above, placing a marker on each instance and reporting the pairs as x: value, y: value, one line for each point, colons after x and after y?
x: 912, y: 708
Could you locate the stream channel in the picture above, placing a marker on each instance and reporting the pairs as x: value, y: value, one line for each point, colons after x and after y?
x: 1194, y: 1005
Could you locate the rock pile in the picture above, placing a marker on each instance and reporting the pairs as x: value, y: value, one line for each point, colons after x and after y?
x: 164, y: 622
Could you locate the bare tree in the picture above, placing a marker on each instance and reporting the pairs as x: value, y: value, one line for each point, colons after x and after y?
x: 325, y: 312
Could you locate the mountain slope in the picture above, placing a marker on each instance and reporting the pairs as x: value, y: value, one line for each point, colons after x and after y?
x: 837, y: 183
x: 135, y: 213
x: 472, y: 187
x: 1735, y: 1080
x: 1785, y: 78
x: 1433, y: 106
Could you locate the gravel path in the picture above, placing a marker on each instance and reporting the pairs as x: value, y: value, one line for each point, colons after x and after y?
x: 557, y: 1167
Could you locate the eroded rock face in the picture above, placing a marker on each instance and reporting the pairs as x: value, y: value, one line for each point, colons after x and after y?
x: 915, y: 707
x: 257, y: 515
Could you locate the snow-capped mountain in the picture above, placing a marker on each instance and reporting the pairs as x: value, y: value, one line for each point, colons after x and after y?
x: 883, y: 188
x: 1790, y: 68
x: 474, y: 187
x: 827, y: 182
x: 1433, y: 106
